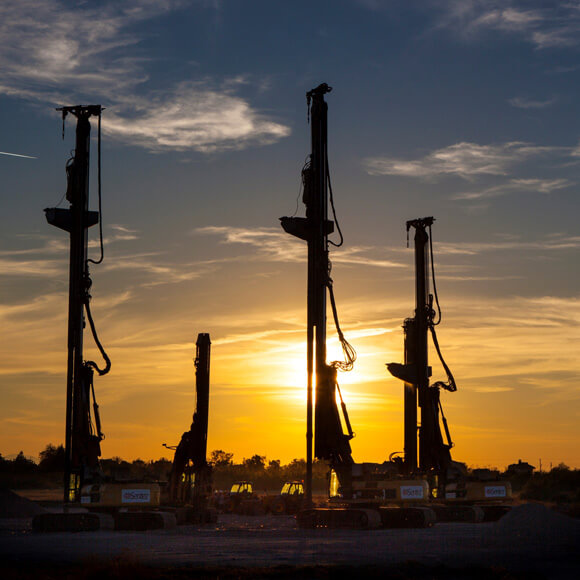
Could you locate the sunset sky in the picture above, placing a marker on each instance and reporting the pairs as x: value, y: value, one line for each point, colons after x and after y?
x: 466, y: 110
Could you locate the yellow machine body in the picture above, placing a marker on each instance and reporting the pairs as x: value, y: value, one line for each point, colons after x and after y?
x: 478, y: 491
x: 116, y: 495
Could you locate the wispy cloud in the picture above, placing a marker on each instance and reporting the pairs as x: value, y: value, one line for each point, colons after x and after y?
x: 32, y: 308
x: 525, y: 103
x: 545, y: 25
x: 195, y: 116
x: 472, y: 16
x: 122, y: 232
x: 278, y: 246
x: 553, y: 243
x: 34, y: 268
x: 492, y: 389
x: 546, y: 186
x: 50, y: 257
x: 50, y: 43
x: 49, y: 260
x: 465, y: 160
x: 50, y: 46
x: 363, y: 256
x: 272, y: 244
x: 49, y: 247
x: 157, y: 271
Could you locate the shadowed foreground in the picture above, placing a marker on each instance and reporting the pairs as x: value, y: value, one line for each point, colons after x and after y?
x: 529, y: 542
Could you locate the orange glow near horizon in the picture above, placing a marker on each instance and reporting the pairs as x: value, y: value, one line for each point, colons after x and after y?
x: 258, y: 386
x: 254, y: 411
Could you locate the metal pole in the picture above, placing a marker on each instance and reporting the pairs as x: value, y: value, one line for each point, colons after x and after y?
x: 420, y: 340
x: 202, y: 364
x: 317, y: 212
x: 309, y: 421
x: 410, y: 402
x: 78, y: 195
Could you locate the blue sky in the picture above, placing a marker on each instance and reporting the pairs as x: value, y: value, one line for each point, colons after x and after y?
x: 464, y: 110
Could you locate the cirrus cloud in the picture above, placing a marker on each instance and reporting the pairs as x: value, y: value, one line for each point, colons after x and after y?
x: 545, y: 25
x: 465, y: 160
x: 47, y: 47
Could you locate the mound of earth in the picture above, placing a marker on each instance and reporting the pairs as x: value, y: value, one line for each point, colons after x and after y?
x: 14, y: 506
x: 536, y: 521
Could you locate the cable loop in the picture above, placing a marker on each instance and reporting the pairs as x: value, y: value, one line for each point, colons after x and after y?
x: 99, y: 194
x: 347, y: 349
x: 432, y: 323
x: 86, y: 300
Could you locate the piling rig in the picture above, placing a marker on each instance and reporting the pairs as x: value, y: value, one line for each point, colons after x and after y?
x: 83, y: 431
x: 358, y: 492
x: 84, y: 481
x: 190, y: 480
x: 455, y: 494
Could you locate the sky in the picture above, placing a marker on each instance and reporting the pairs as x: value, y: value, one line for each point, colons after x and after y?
x: 465, y: 110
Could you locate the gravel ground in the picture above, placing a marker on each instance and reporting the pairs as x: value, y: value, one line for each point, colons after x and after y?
x: 529, y: 542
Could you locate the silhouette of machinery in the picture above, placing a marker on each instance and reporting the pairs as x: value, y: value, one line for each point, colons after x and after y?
x: 110, y: 504
x: 455, y: 494
x: 362, y: 495
x: 190, y: 480
x: 83, y: 431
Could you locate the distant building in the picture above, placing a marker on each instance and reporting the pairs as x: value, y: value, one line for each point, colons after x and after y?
x: 520, y: 468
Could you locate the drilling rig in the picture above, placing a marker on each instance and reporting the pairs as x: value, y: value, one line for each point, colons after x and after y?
x: 455, y: 494
x: 84, y: 484
x: 82, y: 439
x: 190, y: 480
x: 359, y: 493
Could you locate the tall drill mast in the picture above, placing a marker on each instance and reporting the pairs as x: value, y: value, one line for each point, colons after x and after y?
x: 433, y: 453
x: 330, y: 442
x: 190, y: 479
x: 82, y: 440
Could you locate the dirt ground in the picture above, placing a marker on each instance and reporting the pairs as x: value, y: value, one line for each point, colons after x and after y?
x: 529, y: 542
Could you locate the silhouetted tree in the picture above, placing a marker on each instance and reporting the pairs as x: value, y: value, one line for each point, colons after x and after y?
x: 139, y: 469
x: 560, y: 485
x: 220, y: 458
x: 296, y: 469
x: 561, y: 467
x: 116, y: 468
x: 51, y: 458
x: 22, y: 464
x: 159, y: 470
x: 255, y: 463
x: 274, y: 467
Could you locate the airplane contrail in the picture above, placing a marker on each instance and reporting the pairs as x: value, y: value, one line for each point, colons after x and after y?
x: 17, y: 155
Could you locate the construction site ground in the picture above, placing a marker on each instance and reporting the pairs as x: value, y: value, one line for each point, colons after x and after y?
x: 531, y: 541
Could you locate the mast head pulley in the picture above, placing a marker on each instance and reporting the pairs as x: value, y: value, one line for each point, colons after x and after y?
x: 319, y: 91
x: 80, y: 111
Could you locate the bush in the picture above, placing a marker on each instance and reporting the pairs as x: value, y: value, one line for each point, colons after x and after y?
x: 560, y: 485
x: 51, y: 459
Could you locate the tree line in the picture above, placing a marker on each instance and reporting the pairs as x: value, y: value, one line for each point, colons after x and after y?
x: 264, y: 474
x: 560, y: 485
